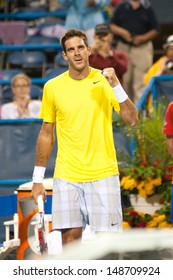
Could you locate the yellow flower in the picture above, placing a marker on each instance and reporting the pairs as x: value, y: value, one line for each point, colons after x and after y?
x: 126, y: 225
x: 142, y: 193
x: 151, y: 224
x: 145, y: 188
x: 154, y: 215
x: 163, y: 224
x: 149, y: 188
x: 129, y: 184
x: 124, y: 179
x: 160, y: 218
x: 149, y: 179
x: 157, y: 181
x: 140, y: 185
x: 141, y: 214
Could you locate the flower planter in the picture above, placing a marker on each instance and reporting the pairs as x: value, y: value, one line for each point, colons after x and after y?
x: 146, y: 205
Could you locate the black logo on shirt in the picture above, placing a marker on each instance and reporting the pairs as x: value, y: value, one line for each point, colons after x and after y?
x: 96, y: 82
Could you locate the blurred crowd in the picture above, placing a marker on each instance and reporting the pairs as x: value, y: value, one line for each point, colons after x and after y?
x: 120, y: 33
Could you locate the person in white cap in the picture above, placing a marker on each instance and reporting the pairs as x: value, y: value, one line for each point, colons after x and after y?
x: 164, y: 65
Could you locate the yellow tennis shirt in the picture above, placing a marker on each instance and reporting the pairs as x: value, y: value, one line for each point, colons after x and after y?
x: 82, y: 111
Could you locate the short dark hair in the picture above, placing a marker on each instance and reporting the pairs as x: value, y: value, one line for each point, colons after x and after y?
x: 73, y: 33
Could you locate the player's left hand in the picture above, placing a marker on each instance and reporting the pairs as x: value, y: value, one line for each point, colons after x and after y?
x: 110, y: 75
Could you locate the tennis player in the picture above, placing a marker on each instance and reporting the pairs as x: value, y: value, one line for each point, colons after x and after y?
x: 79, y: 102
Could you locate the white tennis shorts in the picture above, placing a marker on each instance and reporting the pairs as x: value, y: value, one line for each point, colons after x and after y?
x: 96, y: 203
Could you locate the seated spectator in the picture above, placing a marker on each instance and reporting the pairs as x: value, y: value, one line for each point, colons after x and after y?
x: 22, y: 107
x: 163, y: 65
x: 104, y: 55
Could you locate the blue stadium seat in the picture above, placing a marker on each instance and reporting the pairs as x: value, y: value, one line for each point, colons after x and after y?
x: 7, y: 95
x: 59, y: 61
x: 40, y: 39
x: 28, y: 60
x: 36, y: 92
x: 53, y: 72
x: 8, y: 74
x: 30, y: 10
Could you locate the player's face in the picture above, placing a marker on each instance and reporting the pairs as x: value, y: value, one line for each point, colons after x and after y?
x: 77, y: 54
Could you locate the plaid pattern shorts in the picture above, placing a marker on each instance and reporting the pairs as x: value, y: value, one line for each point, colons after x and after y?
x: 96, y: 203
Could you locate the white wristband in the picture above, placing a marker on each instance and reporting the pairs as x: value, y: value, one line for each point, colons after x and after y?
x: 120, y: 93
x: 38, y: 174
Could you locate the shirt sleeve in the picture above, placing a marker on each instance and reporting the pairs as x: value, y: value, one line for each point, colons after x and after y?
x: 116, y: 15
x: 152, y: 19
x: 47, y: 112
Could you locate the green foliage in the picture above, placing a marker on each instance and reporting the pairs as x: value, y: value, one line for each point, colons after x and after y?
x: 150, y: 156
x: 150, y: 144
x: 142, y: 172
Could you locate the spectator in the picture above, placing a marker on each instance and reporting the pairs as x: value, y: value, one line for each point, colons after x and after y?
x: 47, y: 26
x: 163, y: 65
x: 168, y: 128
x: 115, y: 2
x: 84, y: 15
x: 104, y: 55
x: 22, y: 107
x: 135, y: 24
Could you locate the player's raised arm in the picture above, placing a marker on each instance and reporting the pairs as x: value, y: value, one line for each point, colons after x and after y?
x: 128, y: 111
